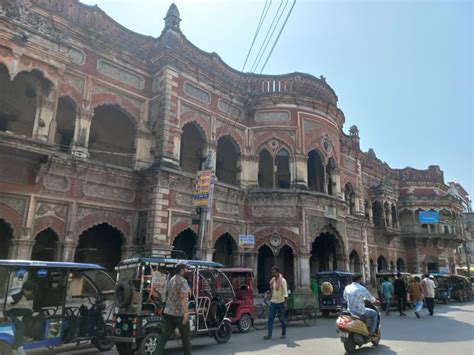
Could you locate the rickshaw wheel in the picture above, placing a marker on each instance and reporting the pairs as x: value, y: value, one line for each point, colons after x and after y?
x: 5, y: 349
x: 309, y: 314
x: 245, y: 323
x: 223, y: 334
x: 101, y: 343
x: 149, y: 343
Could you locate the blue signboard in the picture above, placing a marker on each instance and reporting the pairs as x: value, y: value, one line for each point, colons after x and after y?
x: 429, y: 217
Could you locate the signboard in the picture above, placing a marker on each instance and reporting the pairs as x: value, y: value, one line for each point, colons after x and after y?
x: 246, y: 241
x: 204, y: 185
x: 444, y: 269
x: 428, y: 217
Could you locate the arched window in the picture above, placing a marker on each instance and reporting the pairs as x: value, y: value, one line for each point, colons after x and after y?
x: 329, y: 172
x: 45, y: 247
x: 112, y: 136
x: 193, y: 143
x: 315, y: 168
x: 227, y: 160
x: 367, y: 210
x: 377, y: 214
x: 349, y: 197
x: 65, y: 124
x: 394, y: 216
x: 282, y: 171
x: 382, y: 264
x: 274, y: 172
x: 401, y: 265
x: 225, y: 250
x: 354, y: 262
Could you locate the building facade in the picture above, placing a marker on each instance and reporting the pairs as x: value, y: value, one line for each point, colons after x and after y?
x: 102, y: 131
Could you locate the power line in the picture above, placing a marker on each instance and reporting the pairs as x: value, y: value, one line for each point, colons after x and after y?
x: 257, y: 31
x: 266, y: 37
x: 271, y: 35
x: 279, y: 34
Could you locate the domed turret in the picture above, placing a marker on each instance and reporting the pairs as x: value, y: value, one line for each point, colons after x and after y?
x: 172, y: 18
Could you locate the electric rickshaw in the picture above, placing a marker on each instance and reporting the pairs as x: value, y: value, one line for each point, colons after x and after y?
x: 331, y: 299
x: 70, y: 303
x: 140, y: 300
x: 460, y: 288
x: 242, y: 309
x: 443, y: 286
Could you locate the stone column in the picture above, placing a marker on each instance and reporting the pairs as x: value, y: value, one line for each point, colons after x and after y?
x: 22, y: 246
x: 143, y: 144
x: 81, y: 134
x: 158, y: 218
x: 68, y: 251
x: 300, y: 172
x: 45, y: 117
x: 304, y: 271
x: 249, y: 175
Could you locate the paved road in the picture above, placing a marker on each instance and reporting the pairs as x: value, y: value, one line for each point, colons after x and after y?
x: 450, y: 331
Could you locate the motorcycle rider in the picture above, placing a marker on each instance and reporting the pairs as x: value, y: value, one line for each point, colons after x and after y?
x: 355, y: 294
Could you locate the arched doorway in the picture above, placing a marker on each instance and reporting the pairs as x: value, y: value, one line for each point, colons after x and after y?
x: 193, y: 143
x: 382, y: 265
x: 227, y: 160
x: 354, y: 262
x: 46, y: 246
x: 101, y: 244
x: 265, y: 261
x: 400, y: 265
x: 265, y: 169
x: 349, y: 197
x: 285, y: 261
x: 325, y: 252
x: 6, y: 237
x: 112, y: 136
x: 186, y: 241
x: 225, y: 250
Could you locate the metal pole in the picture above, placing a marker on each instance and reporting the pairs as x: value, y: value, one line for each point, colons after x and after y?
x: 207, y: 165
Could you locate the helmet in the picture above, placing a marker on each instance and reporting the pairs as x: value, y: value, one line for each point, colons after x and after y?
x: 326, y: 288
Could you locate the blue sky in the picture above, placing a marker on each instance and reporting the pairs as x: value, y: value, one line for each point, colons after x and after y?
x: 403, y: 70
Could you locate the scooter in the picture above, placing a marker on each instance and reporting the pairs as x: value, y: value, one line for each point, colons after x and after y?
x: 353, y: 330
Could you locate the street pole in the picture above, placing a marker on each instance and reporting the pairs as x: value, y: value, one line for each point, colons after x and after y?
x: 468, y: 264
x: 207, y: 165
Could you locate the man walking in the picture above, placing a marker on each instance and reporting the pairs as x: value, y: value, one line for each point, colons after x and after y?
x: 417, y: 295
x: 429, y: 288
x: 176, y: 313
x: 279, y: 290
x: 387, y: 294
x: 401, y: 293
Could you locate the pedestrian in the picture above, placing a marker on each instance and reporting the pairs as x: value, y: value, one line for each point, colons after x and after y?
x: 401, y: 293
x: 387, y: 294
x: 417, y: 295
x: 429, y: 288
x: 279, y: 297
x: 176, y: 313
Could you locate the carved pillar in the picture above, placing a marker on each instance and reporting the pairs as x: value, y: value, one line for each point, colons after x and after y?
x: 23, y: 246
x: 68, y: 251
x: 366, y: 257
x: 304, y: 280
x: 45, y: 111
x: 81, y: 133
x: 158, y: 216
x: 300, y: 172
x: 249, y: 174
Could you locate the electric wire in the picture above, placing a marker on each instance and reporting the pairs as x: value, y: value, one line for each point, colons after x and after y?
x: 278, y: 37
x: 255, y: 64
x: 257, y: 31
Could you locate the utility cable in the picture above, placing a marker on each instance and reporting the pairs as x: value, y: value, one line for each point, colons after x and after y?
x: 254, y: 65
x: 257, y: 31
x: 279, y: 34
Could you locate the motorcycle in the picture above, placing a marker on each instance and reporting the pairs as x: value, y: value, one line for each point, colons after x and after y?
x: 353, y: 330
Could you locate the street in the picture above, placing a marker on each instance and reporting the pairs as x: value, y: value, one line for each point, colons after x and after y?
x: 450, y: 331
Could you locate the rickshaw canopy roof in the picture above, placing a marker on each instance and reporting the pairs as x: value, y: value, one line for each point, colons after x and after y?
x: 54, y: 264
x: 237, y: 269
x: 392, y: 273
x: 335, y: 272
x: 169, y: 262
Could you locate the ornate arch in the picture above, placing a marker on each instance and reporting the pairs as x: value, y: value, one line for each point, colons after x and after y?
x: 99, y: 217
x: 42, y: 223
x: 125, y: 105
x: 12, y: 218
x: 122, y: 109
x: 238, y: 143
x: 264, y: 138
x: 181, y: 226
x: 226, y: 228
x: 193, y: 117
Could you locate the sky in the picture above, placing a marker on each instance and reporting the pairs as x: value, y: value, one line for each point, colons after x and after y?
x: 402, y: 70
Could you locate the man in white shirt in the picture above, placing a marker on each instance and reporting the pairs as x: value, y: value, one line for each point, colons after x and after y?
x: 355, y: 295
x: 429, y: 289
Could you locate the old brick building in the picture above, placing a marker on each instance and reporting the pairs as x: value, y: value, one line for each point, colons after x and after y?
x: 102, y: 131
